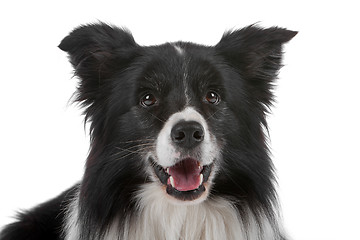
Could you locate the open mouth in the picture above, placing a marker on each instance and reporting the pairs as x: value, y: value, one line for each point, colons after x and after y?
x: 185, y: 180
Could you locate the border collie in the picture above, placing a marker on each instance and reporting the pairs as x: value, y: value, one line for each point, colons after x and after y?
x: 178, y: 140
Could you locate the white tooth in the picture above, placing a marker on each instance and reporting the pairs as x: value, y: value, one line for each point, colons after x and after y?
x: 201, y: 178
x: 172, y: 181
x: 167, y: 170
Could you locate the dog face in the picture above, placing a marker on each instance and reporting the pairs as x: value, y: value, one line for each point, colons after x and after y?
x: 182, y: 103
x: 186, y: 117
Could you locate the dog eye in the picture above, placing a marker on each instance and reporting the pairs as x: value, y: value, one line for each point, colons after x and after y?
x: 212, y: 97
x: 148, y: 100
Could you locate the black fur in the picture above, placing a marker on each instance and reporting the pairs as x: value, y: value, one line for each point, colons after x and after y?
x: 43, y: 222
x: 115, y: 73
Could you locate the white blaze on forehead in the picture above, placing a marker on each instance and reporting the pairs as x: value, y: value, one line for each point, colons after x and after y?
x: 181, y: 52
x: 178, y: 49
x: 168, y: 154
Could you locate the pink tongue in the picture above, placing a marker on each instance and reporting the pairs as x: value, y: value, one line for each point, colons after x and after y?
x: 186, y: 175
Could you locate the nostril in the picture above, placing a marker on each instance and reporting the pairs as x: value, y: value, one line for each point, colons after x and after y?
x: 198, y: 135
x: 180, y: 136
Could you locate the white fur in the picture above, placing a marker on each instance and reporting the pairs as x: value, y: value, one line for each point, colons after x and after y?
x: 167, y: 154
x: 71, y: 227
x: 159, y: 219
x: 179, y: 50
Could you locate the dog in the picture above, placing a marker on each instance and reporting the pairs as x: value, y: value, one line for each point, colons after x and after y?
x: 178, y: 140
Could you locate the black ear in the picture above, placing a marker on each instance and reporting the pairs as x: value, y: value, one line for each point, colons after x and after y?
x: 96, y: 51
x: 256, y: 55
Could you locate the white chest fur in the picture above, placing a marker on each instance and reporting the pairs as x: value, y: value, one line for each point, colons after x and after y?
x: 212, y: 219
x: 159, y: 219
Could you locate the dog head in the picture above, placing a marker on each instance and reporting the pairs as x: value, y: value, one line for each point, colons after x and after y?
x: 186, y: 117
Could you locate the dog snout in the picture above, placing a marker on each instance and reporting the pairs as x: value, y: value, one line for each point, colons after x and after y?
x: 187, y: 134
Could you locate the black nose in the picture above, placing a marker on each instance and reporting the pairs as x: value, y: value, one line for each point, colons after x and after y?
x: 187, y: 134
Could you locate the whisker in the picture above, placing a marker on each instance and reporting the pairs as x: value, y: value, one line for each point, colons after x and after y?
x: 156, y: 117
x: 127, y: 150
x: 139, y: 140
x: 125, y: 156
x: 142, y: 144
x: 142, y: 151
x: 212, y: 115
x: 132, y: 147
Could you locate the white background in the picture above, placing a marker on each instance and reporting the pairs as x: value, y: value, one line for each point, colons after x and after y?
x: 314, y: 127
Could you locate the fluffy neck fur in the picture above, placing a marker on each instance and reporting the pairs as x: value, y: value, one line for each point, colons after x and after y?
x: 157, y: 218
